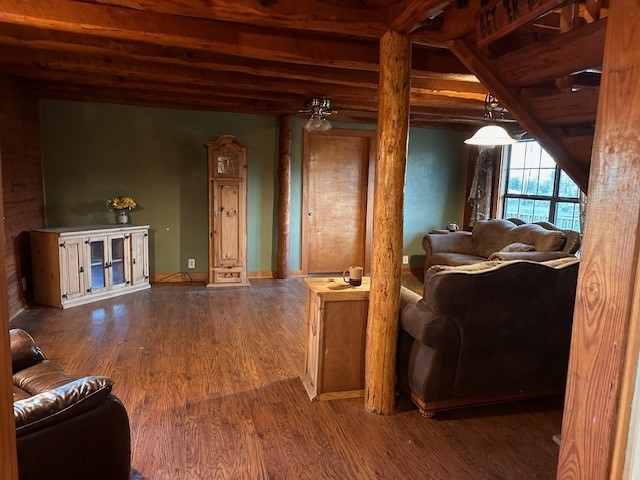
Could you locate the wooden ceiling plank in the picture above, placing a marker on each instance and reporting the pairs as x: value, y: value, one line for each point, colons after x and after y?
x: 499, y: 18
x: 219, y: 37
x: 549, y: 59
x: 46, y: 40
x: 310, y: 15
x: 485, y: 69
x: 566, y: 107
x: 409, y: 15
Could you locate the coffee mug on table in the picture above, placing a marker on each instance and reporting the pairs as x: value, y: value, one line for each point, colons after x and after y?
x: 355, y: 276
x: 452, y: 227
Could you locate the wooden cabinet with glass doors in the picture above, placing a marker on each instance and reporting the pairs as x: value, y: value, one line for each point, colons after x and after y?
x: 77, y: 265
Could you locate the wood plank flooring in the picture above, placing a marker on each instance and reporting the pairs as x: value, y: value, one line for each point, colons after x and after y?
x: 210, y: 379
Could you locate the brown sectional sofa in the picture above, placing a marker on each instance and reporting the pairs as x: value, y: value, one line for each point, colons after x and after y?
x: 487, y: 333
x: 66, y: 428
x: 500, y: 239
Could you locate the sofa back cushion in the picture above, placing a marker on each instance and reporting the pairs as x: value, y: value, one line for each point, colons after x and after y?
x: 491, y: 236
x: 514, y: 315
x: 542, y: 239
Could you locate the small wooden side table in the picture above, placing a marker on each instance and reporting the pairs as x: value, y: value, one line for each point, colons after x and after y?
x: 336, y: 337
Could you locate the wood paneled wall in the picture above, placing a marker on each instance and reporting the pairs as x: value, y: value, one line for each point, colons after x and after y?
x: 23, y: 194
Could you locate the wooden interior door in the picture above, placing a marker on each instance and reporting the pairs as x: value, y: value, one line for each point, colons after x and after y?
x: 335, y: 194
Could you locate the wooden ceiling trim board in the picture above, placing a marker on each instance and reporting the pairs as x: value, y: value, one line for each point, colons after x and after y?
x: 309, y: 15
x: 407, y: 16
x: 579, y: 49
x: 219, y: 37
x: 567, y: 107
x: 499, y: 18
x: 485, y: 69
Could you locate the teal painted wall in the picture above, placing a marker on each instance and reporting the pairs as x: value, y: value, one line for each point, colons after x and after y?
x: 92, y: 152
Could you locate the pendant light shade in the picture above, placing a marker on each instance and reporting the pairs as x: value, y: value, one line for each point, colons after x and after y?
x: 490, y: 135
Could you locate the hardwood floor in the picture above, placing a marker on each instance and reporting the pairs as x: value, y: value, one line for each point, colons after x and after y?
x: 210, y: 379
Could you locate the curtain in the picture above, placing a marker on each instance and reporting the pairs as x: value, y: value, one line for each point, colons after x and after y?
x: 482, y: 185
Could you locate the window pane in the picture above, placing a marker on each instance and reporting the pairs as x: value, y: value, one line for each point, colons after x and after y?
x: 541, y: 210
x: 533, y: 155
x: 568, y: 188
x: 526, y: 210
x: 545, y: 185
x: 517, y: 155
x: 512, y: 208
x: 568, y: 216
x: 515, y: 181
x: 530, y: 182
x: 546, y: 161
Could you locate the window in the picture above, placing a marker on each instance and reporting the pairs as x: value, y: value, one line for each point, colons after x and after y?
x: 537, y: 190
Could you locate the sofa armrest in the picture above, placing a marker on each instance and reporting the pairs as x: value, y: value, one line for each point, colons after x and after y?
x: 24, y: 351
x: 458, y: 242
x: 407, y: 298
x: 57, y: 404
x: 532, y: 256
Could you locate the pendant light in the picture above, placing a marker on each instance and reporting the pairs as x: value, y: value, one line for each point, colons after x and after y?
x: 491, y: 134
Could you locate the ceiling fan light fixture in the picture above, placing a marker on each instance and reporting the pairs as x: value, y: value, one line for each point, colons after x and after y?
x: 318, y: 109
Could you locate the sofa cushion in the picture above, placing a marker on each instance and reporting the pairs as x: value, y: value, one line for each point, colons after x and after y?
x: 542, y: 239
x: 451, y: 258
x: 491, y: 236
x: 517, y: 247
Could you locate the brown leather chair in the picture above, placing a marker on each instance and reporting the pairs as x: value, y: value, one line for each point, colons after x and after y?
x: 66, y: 428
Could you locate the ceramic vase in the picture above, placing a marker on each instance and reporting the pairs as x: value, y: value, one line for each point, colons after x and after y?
x: 122, y: 216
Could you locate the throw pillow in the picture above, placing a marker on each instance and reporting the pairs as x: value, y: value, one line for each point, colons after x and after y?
x: 518, y: 247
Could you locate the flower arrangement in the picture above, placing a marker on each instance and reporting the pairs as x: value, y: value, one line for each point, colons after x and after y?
x: 121, y: 203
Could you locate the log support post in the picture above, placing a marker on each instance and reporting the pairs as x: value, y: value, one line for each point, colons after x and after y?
x: 284, y: 197
x: 606, y: 325
x: 386, y: 264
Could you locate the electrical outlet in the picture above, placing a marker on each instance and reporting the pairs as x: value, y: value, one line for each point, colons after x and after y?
x: 191, y: 263
x: 405, y: 259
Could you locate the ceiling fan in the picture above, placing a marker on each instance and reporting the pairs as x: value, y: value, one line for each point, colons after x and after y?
x: 318, y: 109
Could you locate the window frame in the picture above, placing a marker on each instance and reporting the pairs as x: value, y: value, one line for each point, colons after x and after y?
x: 554, y: 199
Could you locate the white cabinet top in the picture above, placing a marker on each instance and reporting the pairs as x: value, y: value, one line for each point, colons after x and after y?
x: 92, y: 229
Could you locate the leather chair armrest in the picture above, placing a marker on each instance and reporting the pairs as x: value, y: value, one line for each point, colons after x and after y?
x: 24, y: 351
x: 57, y: 404
x: 532, y: 256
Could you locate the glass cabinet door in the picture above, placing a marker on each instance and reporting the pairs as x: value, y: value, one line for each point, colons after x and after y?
x: 118, y: 276
x: 97, y: 263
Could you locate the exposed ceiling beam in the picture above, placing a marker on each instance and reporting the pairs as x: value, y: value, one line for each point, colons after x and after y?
x: 485, y: 69
x: 409, y: 15
x: 170, y: 31
x: 555, y: 57
x: 497, y: 19
x: 312, y: 15
x: 567, y: 107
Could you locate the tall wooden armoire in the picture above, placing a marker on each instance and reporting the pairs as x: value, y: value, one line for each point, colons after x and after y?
x: 227, y: 212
